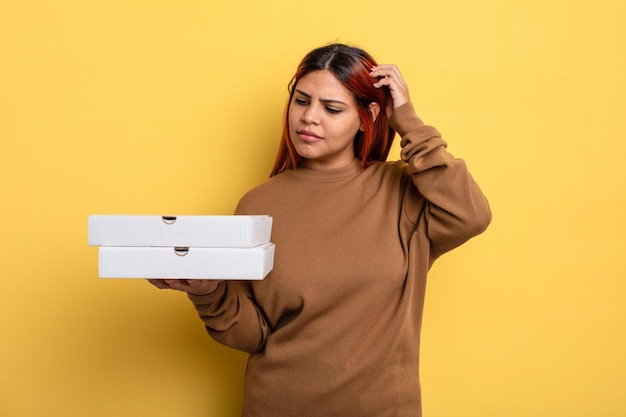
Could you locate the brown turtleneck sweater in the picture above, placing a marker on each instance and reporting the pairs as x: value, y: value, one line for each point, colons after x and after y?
x: 334, y: 329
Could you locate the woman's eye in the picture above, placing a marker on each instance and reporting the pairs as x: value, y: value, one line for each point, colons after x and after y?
x: 300, y: 101
x: 332, y: 111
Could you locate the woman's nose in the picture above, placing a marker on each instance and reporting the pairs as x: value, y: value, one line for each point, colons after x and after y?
x: 310, y: 115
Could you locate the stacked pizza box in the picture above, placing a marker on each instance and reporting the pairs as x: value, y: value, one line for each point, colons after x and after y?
x: 192, y: 247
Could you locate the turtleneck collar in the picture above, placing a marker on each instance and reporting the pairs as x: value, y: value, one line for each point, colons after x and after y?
x: 328, y: 174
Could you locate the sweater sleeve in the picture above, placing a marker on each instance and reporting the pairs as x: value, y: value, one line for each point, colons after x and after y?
x: 454, y: 208
x: 231, y: 316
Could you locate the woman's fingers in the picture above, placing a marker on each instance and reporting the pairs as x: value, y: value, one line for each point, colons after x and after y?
x: 190, y: 286
x: 390, y: 76
x: 159, y: 283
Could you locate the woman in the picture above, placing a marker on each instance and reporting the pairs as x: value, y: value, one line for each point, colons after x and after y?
x: 334, y: 330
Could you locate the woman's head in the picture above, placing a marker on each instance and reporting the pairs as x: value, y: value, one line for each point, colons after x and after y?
x: 326, y: 79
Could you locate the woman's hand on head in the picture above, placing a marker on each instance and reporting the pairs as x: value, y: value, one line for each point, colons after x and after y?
x: 390, y: 76
x: 190, y: 286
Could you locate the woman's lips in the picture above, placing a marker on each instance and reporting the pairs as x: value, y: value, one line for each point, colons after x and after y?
x: 307, y: 136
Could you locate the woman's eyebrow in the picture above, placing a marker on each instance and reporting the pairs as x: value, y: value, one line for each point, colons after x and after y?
x: 323, y: 100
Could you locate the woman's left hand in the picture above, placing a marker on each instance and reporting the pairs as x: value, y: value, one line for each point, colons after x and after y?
x: 390, y: 76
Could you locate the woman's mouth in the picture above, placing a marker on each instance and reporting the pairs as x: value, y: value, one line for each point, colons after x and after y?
x: 307, y: 136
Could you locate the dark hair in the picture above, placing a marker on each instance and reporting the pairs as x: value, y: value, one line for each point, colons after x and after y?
x: 352, y: 67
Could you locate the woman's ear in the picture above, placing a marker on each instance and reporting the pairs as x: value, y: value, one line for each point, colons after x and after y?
x: 374, y: 111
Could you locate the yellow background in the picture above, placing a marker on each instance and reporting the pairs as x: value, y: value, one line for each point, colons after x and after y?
x: 174, y: 107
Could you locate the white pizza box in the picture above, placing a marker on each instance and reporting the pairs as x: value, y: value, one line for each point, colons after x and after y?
x: 185, y: 262
x: 234, y: 231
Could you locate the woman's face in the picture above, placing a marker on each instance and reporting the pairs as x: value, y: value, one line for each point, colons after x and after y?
x: 323, y: 121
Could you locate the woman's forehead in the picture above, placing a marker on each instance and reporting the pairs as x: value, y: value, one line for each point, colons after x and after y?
x: 323, y: 84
